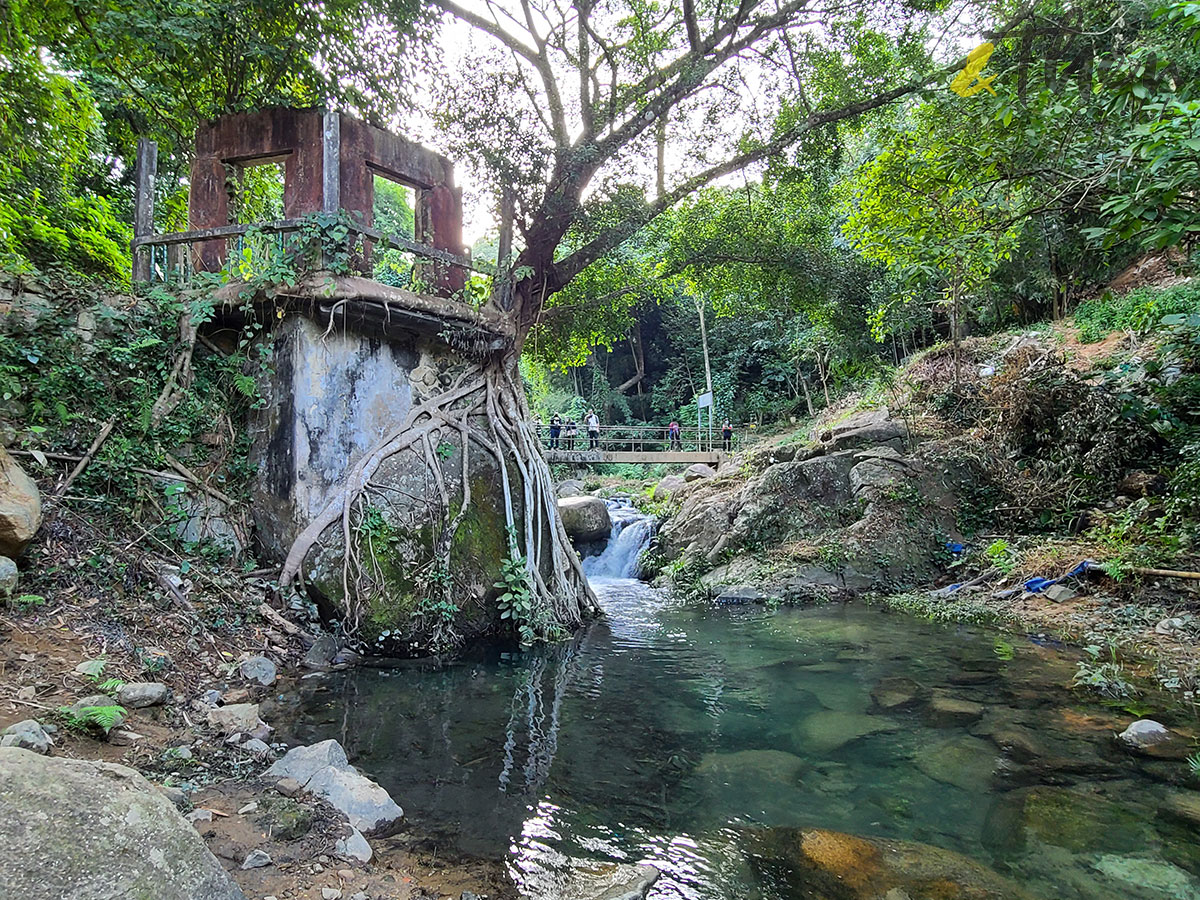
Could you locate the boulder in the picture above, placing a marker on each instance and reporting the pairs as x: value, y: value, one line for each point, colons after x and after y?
x: 585, y: 518
x: 354, y: 846
x: 1144, y: 733
x: 827, y: 864
x: 667, y: 487
x: 698, y: 527
x: 259, y: 670
x: 790, y: 500
x: 20, y: 506
x: 238, y: 717
x: 322, y: 769
x: 97, y: 831
x: 696, y: 471
x: 27, y: 734
x: 572, y: 487
x: 740, y: 595
x: 140, y: 694
x: 9, y: 577
x: 866, y: 429
x: 322, y: 653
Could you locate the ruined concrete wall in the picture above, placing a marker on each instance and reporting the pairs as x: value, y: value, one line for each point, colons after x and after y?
x: 331, y: 398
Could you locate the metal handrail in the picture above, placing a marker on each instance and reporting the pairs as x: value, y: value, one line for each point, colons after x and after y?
x: 282, y: 226
x: 638, y: 438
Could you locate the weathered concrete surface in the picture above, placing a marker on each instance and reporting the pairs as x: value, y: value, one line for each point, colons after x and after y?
x: 330, y: 400
x: 97, y: 831
x: 297, y: 138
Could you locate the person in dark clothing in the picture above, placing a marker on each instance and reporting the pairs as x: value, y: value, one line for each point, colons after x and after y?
x: 673, y: 434
x: 555, y: 430
x: 727, y: 436
x: 570, y: 430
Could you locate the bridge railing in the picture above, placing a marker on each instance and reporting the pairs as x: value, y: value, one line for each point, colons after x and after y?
x: 638, y: 439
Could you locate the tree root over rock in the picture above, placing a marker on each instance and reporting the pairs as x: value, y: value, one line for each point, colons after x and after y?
x: 485, y: 409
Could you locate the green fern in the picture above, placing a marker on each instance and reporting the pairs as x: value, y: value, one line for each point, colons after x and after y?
x: 103, y: 717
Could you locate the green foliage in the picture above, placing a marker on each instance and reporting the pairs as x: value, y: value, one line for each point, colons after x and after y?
x: 103, y: 718
x: 1104, y: 676
x: 515, y: 601
x: 1002, y: 556
x: 27, y: 602
x: 1140, y: 310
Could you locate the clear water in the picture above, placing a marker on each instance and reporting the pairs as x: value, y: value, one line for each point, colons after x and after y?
x: 660, y: 733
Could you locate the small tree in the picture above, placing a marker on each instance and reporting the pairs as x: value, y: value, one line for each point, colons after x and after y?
x: 925, y: 223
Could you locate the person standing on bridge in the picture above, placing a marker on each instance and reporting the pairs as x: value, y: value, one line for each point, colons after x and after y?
x: 555, y: 430
x: 727, y: 436
x: 673, y: 434
x: 570, y: 432
x: 592, y: 421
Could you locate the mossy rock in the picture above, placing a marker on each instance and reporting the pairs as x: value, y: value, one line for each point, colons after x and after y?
x: 283, y: 818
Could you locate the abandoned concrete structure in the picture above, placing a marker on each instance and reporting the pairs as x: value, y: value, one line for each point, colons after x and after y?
x: 330, y: 161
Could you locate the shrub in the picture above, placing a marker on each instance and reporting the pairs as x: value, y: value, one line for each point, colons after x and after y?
x: 1140, y: 310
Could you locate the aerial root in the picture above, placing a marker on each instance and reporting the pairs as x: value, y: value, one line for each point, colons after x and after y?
x: 561, y: 595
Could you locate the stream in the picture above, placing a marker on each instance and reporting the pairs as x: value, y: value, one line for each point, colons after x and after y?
x: 666, y: 730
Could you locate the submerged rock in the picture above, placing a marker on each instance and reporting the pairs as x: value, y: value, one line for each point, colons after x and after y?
x: 585, y: 518
x: 324, y: 771
x: 1075, y: 820
x: 897, y: 692
x: 588, y: 880
x: 97, y: 831
x: 963, y: 761
x: 826, y: 731
x: 833, y: 866
x: 944, y: 712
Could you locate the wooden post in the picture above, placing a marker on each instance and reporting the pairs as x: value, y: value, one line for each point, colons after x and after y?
x: 503, y: 285
x: 145, y: 169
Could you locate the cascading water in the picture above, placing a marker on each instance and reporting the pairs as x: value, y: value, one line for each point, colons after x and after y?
x: 631, y: 532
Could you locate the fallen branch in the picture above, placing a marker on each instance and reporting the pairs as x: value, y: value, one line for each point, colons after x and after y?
x: 192, y: 477
x: 1165, y: 573
x: 87, y: 457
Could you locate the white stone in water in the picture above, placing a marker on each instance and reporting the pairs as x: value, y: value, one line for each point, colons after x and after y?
x: 1145, y: 733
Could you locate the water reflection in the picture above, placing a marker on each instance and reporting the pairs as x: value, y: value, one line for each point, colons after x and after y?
x: 661, y: 732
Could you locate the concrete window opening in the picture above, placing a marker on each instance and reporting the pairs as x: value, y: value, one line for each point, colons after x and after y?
x: 393, y: 210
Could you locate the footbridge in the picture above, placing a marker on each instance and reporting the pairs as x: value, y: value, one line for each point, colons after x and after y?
x: 646, y: 444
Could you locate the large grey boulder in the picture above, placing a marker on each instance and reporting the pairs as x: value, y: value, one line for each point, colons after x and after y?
x: 585, y: 518
x: 322, y: 769
x: 20, y: 506
x: 140, y: 694
x: 10, y: 576
x: 667, y: 487
x: 572, y: 487
x: 697, y: 471
x: 97, y: 831
x: 28, y: 734
x: 870, y: 428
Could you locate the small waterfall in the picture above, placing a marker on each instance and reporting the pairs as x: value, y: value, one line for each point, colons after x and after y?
x: 632, y: 530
